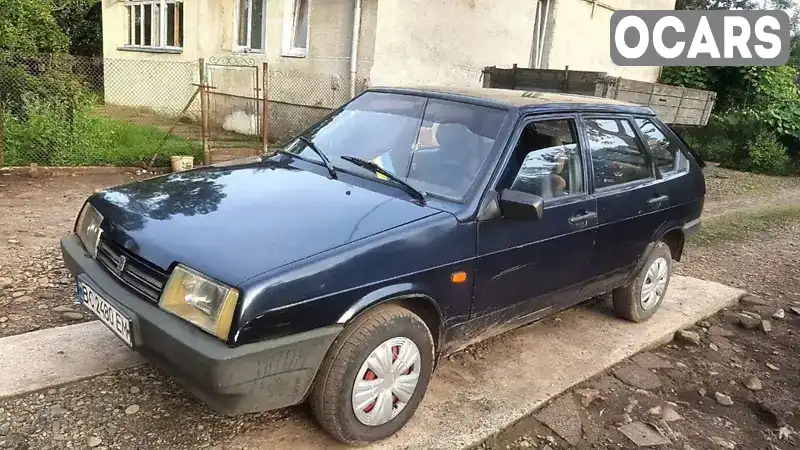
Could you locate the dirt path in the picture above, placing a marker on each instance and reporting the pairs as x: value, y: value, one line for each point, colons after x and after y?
x: 734, y: 206
x: 731, y: 192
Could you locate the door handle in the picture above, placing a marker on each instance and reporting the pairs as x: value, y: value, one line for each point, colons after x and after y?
x: 582, y: 217
x: 658, y: 200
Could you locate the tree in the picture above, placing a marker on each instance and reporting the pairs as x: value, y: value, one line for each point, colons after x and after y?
x: 794, y: 53
x: 27, y: 28
x: 81, y: 21
x: 714, y: 4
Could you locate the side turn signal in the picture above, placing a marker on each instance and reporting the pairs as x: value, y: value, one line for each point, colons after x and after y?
x: 458, y: 277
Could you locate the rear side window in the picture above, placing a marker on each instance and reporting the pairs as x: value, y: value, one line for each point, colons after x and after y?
x: 664, y: 151
x: 616, y: 156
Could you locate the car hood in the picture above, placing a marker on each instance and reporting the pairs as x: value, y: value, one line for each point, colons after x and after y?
x: 236, y: 222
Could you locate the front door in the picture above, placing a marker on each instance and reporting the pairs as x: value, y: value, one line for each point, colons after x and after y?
x: 631, y: 198
x: 525, y: 266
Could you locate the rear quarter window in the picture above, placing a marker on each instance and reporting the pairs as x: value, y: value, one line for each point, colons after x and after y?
x: 666, y: 153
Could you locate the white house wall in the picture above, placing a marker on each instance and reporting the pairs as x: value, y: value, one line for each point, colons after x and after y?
x: 402, y: 42
x: 163, y: 81
x: 581, y: 37
x: 448, y: 42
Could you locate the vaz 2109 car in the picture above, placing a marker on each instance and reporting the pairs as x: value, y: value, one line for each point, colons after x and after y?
x: 402, y: 227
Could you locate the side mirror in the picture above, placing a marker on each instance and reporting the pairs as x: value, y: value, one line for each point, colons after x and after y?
x: 521, y: 205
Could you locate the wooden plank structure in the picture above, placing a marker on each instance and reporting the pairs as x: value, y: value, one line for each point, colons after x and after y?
x: 673, y: 104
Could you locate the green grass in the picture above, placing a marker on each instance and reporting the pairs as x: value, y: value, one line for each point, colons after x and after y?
x: 47, y: 139
x: 124, y: 144
x: 739, y: 226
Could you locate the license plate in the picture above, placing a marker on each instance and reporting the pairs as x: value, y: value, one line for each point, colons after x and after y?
x: 108, y: 314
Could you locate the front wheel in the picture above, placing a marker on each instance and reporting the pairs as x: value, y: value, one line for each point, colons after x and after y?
x: 639, y: 300
x: 374, y: 376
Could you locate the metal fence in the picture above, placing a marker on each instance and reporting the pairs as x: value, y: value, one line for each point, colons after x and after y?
x: 60, y: 110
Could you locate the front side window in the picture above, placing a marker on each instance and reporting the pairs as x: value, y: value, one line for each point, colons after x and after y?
x: 154, y: 23
x: 616, y: 156
x: 664, y: 151
x: 437, y: 146
x: 295, y: 28
x: 546, y: 160
x: 250, y: 25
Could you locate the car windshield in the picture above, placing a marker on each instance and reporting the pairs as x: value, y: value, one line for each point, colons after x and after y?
x: 437, y: 146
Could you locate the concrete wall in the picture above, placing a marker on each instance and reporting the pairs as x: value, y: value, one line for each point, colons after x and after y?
x: 580, y: 37
x: 163, y: 81
x: 448, y: 42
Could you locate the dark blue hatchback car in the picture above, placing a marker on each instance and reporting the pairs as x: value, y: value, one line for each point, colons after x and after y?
x: 404, y: 226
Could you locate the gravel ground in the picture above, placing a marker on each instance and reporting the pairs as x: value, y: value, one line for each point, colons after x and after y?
x: 36, y: 290
x: 132, y: 409
x: 685, y: 377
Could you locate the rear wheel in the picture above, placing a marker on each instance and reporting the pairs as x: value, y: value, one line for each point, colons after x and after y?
x: 374, y: 376
x: 639, y: 300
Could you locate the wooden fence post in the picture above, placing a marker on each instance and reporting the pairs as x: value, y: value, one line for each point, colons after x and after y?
x: 514, y: 76
x: 204, y: 112
x: 265, y: 109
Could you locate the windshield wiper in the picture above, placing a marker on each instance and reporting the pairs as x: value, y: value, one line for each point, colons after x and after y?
x: 414, y: 192
x: 322, y: 156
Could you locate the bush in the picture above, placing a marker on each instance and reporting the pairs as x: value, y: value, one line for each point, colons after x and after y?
x: 766, y: 154
x: 756, y: 121
x: 34, y: 138
x: 48, y: 120
x: 713, y: 142
x: 48, y: 136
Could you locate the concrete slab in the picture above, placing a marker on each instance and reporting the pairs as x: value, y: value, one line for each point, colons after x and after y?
x: 54, y: 356
x: 470, y: 398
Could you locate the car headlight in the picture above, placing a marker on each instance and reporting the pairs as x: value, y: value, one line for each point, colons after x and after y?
x: 200, y: 300
x: 88, y: 228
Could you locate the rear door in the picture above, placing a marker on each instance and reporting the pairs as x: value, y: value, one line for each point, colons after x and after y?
x: 632, y: 200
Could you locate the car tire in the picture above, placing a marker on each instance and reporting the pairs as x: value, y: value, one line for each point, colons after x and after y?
x: 640, y: 299
x: 388, y: 331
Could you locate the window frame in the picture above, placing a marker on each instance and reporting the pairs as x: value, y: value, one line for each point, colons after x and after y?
x: 238, y: 48
x: 159, y: 34
x: 641, y: 145
x: 682, y: 162
x: 290, y: 8
x: 523, y: 122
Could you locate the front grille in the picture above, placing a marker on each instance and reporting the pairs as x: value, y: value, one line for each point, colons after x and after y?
x: 136, y: 274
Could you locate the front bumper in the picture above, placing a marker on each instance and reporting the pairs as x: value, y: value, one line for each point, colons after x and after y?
x: 249, y: 378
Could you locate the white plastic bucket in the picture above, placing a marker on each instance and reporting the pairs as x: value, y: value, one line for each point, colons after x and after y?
x: 181, y: 163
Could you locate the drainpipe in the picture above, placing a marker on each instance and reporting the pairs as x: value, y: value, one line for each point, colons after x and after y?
x: 354, y: 49
x: 536, y: 36
x: 544, y: 33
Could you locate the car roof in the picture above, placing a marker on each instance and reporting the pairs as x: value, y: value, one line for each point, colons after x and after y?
x: 509, y: 98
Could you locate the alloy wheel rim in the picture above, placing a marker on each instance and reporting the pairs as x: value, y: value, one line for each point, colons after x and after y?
x: 655, y: 283
x: 386, y: 381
